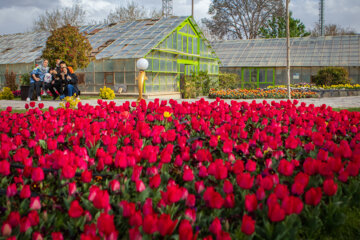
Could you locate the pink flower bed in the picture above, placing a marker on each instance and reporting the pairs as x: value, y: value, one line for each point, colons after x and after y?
x: 191, y: 170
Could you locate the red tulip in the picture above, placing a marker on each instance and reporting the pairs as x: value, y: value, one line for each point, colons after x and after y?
x: 35, y: 203
x: 6, y: 229
x: 136, y: 219
x: 313, y: 196
x: 250, y: 202
x: 75, y: 210
x: 150, y: 224
x: 188, y: 175
x: 105, y: 224
x: 114, y: 185
x: 128, y: 208
x: 134, y: 234
x: 228, y: 187
x: 4, y: 168
x: 215, y: 226
x: 154, y: 182
x: 57, y: 236
x: 248, y: 225
x: 37, y: 236
x: 86, y: 176
x: 212, y: 198
x: 37, y: 174
x: 165, y: 225
x: 292, y: 205
x: 244, y: 180
x: 185, y: 230
x: 72, y: 188
x: 101, y: 200
x: 11, y: 190
x: 25, y: 192
x: 285, y: 168
x: 13, y: 219
x: 33, y: 217
x: 330, y: 187
x: 276, y: 213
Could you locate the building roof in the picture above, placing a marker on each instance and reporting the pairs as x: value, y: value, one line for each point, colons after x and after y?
x: 306, y: 51
x: 130, y: 39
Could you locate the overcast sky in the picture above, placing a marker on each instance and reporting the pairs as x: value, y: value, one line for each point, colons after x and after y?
x: 18, y: 15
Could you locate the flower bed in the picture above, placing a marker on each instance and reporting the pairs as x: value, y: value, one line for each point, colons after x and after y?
x: 190, y: 170
x: 259, y: 93
x: 314, y: 87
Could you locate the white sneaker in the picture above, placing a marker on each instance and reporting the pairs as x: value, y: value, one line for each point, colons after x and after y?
x: 44, y: 94
x: 28, y: 99
x: 39, y: 98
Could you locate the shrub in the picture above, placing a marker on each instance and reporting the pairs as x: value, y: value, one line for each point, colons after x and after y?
x: 25, y: 79
x: 229, y: 81
x: 197, y: 84
x: 107, y: 93
x: 6, y: 93
x: 331, y: 76
x: 10, y: 80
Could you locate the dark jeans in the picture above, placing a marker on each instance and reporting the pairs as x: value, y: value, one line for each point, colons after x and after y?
x: 58, y: 87
x: 37, y: 86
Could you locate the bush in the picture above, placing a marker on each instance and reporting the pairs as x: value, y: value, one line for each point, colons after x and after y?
x: 10, y: 80
x: 6, y: 93
x: 107, y: 93
x: 198, y: 84
x: 25, y: 79
x: 229, y: 81
x: 331, y: 76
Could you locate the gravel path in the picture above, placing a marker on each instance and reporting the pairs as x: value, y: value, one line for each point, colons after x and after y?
x: 336, y: 102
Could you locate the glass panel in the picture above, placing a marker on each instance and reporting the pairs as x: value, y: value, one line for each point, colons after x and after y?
x: 262, y: 75
x: 184, y: 44
x: 253, y: 77
x: 195, y: 42
x: 155, y: 65
x: 179, y: 42
x: 246, y: 75
x: 269, y: 75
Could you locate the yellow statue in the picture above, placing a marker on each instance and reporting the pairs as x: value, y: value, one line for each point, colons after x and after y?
x: 141, y: 78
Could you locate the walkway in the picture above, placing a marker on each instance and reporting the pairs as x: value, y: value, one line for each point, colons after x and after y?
x: 336, y: 102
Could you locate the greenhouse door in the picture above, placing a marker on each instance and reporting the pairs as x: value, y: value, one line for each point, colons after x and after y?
x: 185, y: 68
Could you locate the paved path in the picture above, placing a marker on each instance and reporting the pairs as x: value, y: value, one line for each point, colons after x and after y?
x: 337, y: 102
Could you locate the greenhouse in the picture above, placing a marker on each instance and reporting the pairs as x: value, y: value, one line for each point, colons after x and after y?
x: 262, y: 62
x: 174, y: 47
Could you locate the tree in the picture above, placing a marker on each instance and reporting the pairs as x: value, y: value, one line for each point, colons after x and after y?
x: 276, y: 28
x: 332, y: 30
x: 68, y: 44
x: 132, y: 11
x: 57, y: 18
x: 240, y: 18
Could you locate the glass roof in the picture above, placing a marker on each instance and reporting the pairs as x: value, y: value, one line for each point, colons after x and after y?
x: 307, y: 51
x: 132, y: 39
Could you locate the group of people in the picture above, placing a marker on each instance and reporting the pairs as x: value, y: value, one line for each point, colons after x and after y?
x: 60, y: 80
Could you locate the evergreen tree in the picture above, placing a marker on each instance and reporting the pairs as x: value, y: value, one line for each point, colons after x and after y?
x: 276, y: 28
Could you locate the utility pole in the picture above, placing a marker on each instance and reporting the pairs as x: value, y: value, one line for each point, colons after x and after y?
x: 192, y: 8
x: 288, y: 49
x: 321, y: 18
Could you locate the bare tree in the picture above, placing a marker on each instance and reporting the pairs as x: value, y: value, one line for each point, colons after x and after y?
x: 232, y: 19
x: 54, y: 19
x: 332, y: 30
x: 132, y: 11
x: 207, y: 33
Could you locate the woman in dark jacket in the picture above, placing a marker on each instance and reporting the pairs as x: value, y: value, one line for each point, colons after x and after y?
x: 70, y: 83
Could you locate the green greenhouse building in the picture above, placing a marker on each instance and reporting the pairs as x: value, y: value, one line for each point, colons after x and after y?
x: 262, y: 62
x: 174, y: 47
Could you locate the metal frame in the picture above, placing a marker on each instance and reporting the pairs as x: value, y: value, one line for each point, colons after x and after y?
x: 258, y: 83
x: 198, y: 52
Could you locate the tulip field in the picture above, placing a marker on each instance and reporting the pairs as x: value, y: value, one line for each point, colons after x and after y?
x: 169, y: 170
